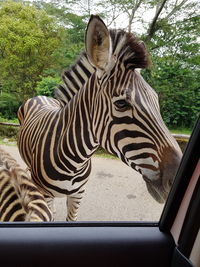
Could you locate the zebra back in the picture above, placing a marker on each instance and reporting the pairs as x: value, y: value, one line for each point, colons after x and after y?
x: 20, y: 199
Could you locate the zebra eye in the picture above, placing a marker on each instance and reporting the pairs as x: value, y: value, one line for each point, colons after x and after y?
x: 122, y: 105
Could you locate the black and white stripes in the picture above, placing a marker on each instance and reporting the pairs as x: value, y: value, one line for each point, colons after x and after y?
x: 104, y: 102
x: 74, y: 78
x: 20, y: 199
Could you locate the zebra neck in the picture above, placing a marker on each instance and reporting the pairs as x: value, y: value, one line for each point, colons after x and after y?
x: 77, y: 143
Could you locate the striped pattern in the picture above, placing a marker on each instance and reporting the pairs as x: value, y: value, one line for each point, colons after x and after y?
x: 113, y: 108
x: 74, y: 79
x: 20, y: 199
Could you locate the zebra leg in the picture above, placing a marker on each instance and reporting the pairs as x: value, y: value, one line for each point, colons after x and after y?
x: 73, y: 203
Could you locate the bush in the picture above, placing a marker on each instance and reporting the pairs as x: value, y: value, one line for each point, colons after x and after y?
x: 9, y: 132
x: 47, y: 86
x: 9, y: 105
x: 180, y: 109
x: 177, y: 86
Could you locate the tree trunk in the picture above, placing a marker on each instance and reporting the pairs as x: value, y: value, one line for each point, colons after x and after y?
x: 152, y: 26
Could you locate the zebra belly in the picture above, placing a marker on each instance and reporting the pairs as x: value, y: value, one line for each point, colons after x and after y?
x: 57, y: 179
x: 57, y: 188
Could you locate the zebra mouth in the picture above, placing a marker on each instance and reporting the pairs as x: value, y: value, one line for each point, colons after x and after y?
x: 156, y: 190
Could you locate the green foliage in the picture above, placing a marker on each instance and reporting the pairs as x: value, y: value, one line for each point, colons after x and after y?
x: 178, y: 90
x: 180, y: 109
x: 8, y: 105
x: 28, y: 39
x: 180, y: 130
x: 9, y: 132
x: 72, y: 36
x: 175, y: 74
x: 47, y: 86
x: 66, y: 54
x: 13, y: 120
x: 37, y: 43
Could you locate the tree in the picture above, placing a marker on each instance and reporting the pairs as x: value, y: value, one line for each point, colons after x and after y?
x: 175, y: 73
x: 147, y: 13
x: 178, y: 90
x: 28, y: 39
x: 73, y: 34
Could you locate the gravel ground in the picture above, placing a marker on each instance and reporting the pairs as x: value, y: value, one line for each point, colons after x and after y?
x: 114, y: 192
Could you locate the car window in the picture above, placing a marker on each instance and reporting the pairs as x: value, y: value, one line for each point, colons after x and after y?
x: 109, y: 131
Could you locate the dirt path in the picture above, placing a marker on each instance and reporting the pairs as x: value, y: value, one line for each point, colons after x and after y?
x: 114, y: 192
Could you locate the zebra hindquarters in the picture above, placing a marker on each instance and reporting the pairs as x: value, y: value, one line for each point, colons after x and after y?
x: 23, y: 200
x: 11, y: 208
x: 20, y: 198
x: 32, y: 199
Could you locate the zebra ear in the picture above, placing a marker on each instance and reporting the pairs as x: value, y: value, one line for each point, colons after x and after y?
x: 98, y: 42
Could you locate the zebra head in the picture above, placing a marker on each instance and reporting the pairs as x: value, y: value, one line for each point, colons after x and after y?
x: 126, y: 115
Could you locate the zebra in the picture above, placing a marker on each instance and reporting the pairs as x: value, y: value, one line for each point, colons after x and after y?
x: 103, y: 102
x: 20, y: 199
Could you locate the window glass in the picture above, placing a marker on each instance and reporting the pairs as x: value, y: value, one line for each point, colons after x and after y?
x: 125, y: 116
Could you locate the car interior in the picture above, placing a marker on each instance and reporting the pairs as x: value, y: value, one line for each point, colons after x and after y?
x: 173, y: 241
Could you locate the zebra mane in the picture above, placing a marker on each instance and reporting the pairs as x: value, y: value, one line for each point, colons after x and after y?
x: 128, y: 46
x: 74, y: 78
x: 134, y: 53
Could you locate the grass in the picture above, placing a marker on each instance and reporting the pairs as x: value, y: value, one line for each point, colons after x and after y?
x: 15, y: 120
x: 102, y: 153
x: 180, y: 131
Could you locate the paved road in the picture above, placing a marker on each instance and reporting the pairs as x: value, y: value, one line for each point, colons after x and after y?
x: 114, y: 192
